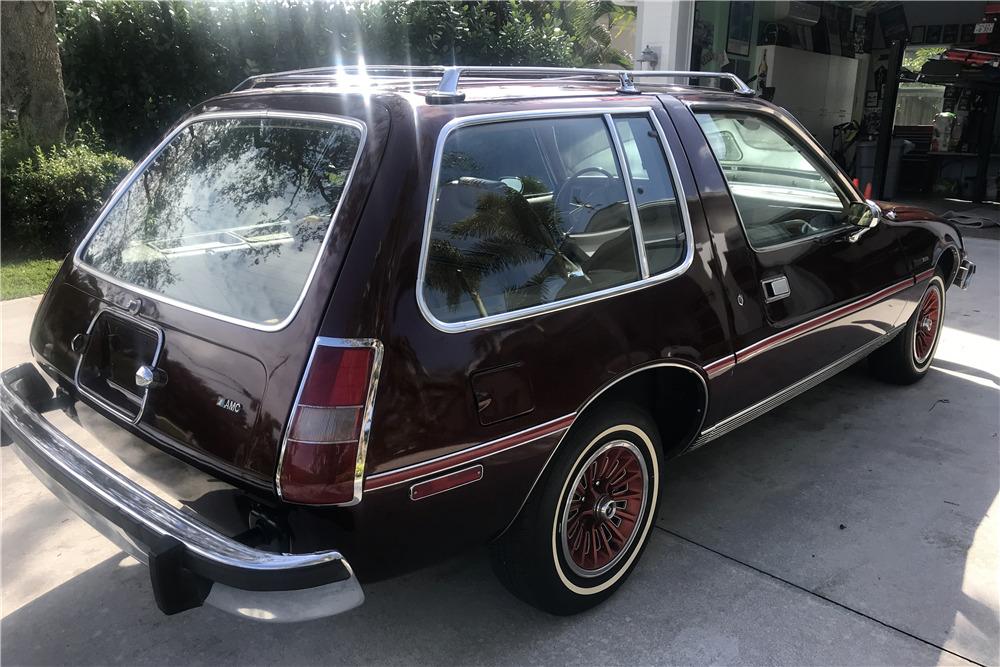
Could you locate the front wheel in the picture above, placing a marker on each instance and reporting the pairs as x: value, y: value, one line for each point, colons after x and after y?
x: 908, y: 356
x: 582, y: 531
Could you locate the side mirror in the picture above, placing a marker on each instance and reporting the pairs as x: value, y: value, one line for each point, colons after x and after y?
x: 865, y: 216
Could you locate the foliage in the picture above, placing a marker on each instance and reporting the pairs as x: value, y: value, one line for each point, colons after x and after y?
x: 13, y: 149
x: 592, y: 25
x: 26, y: 277
x: 49, y: 197
x: 132, y: 68
x: 915, y: 62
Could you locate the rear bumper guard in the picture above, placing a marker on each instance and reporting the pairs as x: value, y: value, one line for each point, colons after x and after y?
x: 190, y: 564
x: 966, y: 269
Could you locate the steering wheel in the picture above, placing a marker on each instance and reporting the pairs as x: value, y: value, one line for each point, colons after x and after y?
x: 814, y: 225
x: 564, y: 206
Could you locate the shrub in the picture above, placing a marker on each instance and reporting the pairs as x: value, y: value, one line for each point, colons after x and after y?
x: 50, y: 197
x: 132, y: 68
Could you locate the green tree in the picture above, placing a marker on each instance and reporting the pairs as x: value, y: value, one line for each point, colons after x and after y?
x: 915, y: 62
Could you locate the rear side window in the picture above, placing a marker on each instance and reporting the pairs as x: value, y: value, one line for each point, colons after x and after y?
x: 230, y: 216
x: 497, y: 153
x: 660, y: 218
x: 544, y: 214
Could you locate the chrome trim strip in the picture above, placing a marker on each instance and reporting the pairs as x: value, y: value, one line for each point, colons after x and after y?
x: 156, y: 358
x: 594, y: 397
x: 470, y: 454
x: 789, y: 334
x: 925, y: 275
x: 414, y: 489
x: 366, y: 419
x: 479, y: 323
x: 633, y: 208
x: 757, y: 409
x: 122, y: 187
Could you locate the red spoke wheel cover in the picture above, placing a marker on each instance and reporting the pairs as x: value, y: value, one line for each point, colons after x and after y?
x: 604, y: 508
x: 928, y: 325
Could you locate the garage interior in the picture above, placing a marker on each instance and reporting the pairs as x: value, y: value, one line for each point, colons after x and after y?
x: 903, y: 95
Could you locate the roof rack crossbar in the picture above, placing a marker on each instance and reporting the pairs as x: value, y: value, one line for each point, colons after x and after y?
x: 447, y: 90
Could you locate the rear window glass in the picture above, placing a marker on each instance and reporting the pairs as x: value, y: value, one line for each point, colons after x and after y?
x: 230, y: 216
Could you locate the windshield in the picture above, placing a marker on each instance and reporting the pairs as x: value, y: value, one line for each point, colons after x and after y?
x: 230, y: 216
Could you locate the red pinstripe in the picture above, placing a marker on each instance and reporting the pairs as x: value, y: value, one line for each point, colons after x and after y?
x: 720, y: 366
x: 401, y: 475
x: 788, y: 334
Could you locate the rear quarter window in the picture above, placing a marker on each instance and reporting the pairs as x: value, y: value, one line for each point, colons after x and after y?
x: 528, y: 213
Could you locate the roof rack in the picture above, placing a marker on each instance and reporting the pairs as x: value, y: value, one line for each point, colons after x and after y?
x: 447, y: 91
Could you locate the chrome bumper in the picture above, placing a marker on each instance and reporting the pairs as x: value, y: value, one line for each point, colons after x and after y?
x: 190, y: 563
x: 963, y: 277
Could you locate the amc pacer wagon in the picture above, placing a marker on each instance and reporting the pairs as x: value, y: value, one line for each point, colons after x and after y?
x: 341, y: 324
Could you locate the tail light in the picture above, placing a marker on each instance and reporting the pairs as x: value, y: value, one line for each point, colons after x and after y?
x: 323, y: 454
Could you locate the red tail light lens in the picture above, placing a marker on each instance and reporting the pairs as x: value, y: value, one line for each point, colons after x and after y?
x: 323, y: 454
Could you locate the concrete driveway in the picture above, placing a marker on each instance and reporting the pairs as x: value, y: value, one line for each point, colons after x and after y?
x: 857, y: 524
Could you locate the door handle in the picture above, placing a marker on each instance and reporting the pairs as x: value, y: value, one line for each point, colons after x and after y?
x: 776, y: 288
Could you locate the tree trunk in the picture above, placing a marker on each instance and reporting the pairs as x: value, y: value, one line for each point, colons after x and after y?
x: 32, y: 71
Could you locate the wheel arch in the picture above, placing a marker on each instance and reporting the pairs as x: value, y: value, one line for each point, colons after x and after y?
x: 649, y: 386
x: 948, y: 261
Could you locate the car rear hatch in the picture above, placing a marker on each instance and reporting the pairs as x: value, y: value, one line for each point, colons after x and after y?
x: 188, y: 312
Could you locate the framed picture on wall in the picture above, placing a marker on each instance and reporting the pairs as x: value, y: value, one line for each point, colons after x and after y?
x: 968, y: 33
x: 949, y: 35
x: 917, y: 34
x: 894, y: 25
x: 933, y: 35
x: 740, y: 27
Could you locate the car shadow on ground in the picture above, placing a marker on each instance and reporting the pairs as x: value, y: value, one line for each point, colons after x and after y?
x: 772, y: 495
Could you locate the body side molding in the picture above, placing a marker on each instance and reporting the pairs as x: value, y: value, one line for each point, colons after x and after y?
x: 756, y: 410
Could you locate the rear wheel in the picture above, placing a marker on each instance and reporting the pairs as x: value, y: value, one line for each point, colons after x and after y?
x: 908, y: 356
x: 582, y: 531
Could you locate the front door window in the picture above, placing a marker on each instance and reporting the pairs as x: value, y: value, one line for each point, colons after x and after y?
x: 780, y: 191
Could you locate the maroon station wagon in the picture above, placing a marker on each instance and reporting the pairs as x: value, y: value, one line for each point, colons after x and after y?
x: 341, y: 324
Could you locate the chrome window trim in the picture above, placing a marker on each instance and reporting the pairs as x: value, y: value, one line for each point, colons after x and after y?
x: 122, y: 187
x: 624, y: 167
x: 524, y: 313
x: 99, y: 400
x: 366, y: 419
x: 797, y: 131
